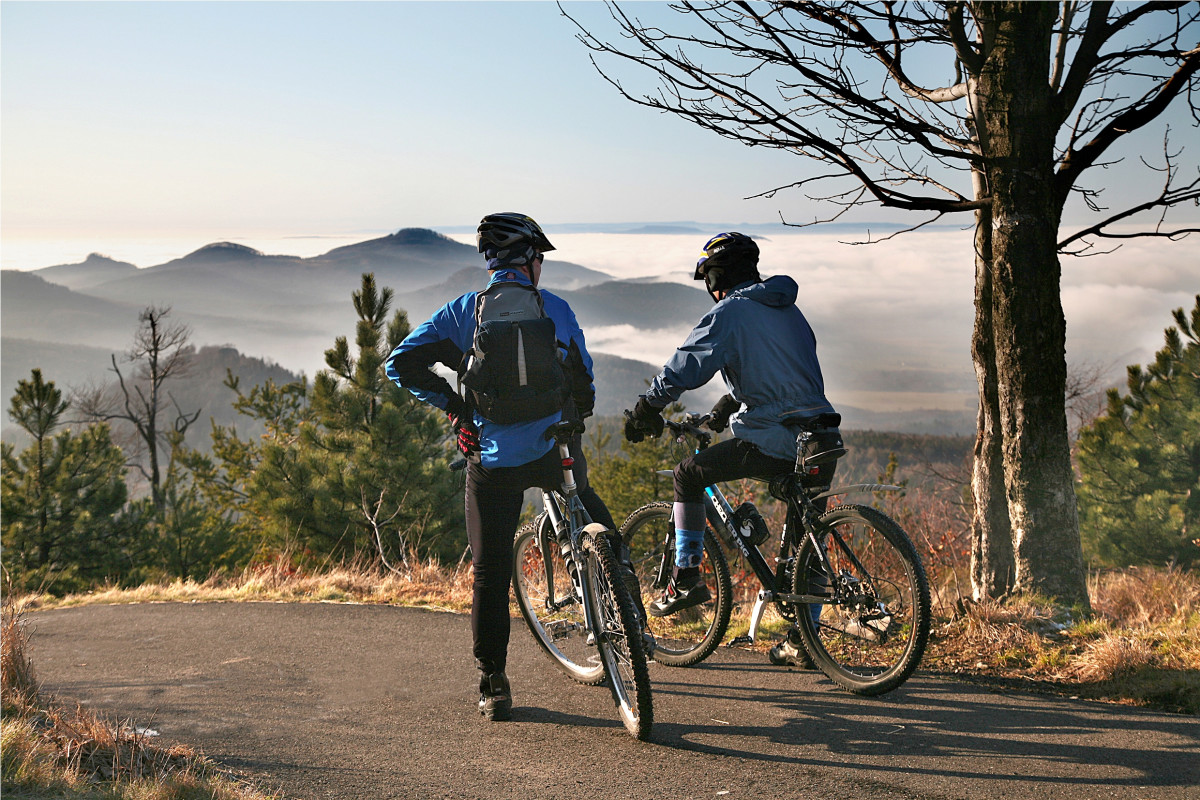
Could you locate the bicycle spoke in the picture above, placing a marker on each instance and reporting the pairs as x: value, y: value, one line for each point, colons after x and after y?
x: 690, y: 635
x: 554, y: 613
x: 871, y: 637
x: 620, y: 641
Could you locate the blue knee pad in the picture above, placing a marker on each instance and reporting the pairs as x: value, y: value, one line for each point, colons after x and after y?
x: 689, y: 548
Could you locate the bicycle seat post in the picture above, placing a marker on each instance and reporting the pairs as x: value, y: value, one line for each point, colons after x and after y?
x: 562, y: 432
x: 568, y: 468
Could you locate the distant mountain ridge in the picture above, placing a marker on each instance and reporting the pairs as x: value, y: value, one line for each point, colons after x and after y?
x: 92, y: 270
x: 69, y: 318
x: 291, y: 308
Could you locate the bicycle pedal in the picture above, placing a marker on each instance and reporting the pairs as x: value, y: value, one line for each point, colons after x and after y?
x: 561, y: 630
x: 739, y: 640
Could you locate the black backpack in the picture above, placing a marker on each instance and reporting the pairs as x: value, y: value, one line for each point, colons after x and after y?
x: 513, y: 371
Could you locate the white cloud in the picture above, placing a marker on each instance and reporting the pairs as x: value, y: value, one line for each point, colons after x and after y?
x: 909, y: 302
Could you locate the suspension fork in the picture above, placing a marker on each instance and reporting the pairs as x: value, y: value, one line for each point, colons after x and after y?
x: 550, y: 533
x: 568, y: 521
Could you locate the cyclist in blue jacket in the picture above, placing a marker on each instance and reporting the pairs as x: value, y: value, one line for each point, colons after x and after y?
x: 764, y: 348
x: 503, y: 459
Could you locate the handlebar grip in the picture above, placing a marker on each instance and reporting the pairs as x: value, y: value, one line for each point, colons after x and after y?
x: 459, y: 465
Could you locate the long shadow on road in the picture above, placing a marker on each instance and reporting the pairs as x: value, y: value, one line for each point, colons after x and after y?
x: 932, y: 728
x: 347, y: 702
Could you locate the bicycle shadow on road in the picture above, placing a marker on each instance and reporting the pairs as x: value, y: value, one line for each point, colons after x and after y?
x: 928, y: 727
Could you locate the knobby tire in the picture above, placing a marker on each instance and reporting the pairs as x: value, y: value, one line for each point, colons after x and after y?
x: 865, y: 649
x: 692, y: 635
x: 622, y: 650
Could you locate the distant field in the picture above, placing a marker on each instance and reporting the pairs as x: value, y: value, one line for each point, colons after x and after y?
x: 910, y: 401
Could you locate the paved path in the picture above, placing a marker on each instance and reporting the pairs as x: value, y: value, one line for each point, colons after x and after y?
x: 369, y: 702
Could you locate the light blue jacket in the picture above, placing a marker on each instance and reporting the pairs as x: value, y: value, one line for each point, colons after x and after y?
x: 449, y: 333
x: 766, y: 351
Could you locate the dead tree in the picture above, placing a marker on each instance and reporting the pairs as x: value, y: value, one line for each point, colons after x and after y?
x: 995, y: 109
x: 161, y: 351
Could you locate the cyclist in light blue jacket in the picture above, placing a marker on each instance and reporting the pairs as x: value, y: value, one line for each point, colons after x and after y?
x: 765, y: 350
x: 505, y: 458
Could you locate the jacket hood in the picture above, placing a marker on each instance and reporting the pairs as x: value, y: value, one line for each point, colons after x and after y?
x: 776, y: 291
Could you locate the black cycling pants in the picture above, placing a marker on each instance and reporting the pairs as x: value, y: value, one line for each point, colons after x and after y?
x: 733, y: 459
x: 494, y: 500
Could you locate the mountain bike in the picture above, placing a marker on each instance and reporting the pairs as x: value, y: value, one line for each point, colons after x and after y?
x: 568, y: 586
x: 848, y: 578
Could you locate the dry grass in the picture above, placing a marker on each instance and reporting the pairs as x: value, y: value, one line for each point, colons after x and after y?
x: 1140, y: 646
x: 1144, y: 597
x: 420, y: 583
x: 51, y: 752
x: 18, y: 684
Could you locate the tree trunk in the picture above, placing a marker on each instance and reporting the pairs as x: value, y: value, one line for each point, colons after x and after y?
x: 1029, y: 329
x: 992, y: 568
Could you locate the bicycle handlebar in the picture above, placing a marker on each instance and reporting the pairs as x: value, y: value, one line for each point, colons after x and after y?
x: 691, y: 425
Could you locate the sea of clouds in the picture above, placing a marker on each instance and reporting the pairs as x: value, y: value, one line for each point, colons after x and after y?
x: 908, y: 303
x: 902, y: 305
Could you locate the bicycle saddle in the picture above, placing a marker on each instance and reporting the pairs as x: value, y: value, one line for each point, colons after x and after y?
x: 813, y: 424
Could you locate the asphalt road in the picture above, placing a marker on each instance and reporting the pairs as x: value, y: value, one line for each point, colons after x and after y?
x: 369, y: 702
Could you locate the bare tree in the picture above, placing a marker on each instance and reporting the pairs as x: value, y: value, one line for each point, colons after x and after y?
x: 161, y: 351
x: 991, y: 108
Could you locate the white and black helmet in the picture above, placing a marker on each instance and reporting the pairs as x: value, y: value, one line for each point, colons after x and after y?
x: 728, y: 260
x: 507, y: 231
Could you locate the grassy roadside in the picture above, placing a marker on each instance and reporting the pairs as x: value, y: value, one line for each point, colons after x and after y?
x: 55, y: 753
x: 1141, y: 646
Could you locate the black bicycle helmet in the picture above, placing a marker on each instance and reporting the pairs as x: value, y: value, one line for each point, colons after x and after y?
x: 729, y: 259
x: 508, y: 230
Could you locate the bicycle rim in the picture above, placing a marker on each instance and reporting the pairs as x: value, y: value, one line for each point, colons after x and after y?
x: 561, y: 631
x: 620, y: 639
x: 873, y: 637
x: 691, y: 635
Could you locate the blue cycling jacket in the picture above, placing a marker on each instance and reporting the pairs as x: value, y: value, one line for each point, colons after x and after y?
x: 766, y: 351
x: 450, y: 332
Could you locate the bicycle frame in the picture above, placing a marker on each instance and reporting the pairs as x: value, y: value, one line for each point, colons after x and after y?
x: 567, y: 518
x: 801, y: 515
x: 591, y: 630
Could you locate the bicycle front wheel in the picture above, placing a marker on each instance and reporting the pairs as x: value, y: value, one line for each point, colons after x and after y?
x: 620, y: 636
x: 872, y: 635
x: 691, y: 635
x: 550, y: 603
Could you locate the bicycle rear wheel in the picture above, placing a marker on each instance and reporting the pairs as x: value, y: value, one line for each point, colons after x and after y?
x: 872, y: 636
x: 689, y: 636
x: 555, y: 618
x: 620, y: 635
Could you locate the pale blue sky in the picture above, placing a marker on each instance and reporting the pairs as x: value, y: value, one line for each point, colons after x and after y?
x: 126, y: 123
x: 228, y: 119
x: 326, y: 117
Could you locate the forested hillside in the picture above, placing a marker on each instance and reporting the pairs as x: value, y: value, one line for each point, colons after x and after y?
x: 921, y: 459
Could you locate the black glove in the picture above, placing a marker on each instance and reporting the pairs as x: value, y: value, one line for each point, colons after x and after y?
x: 464, y: 428
x: 721, y: 413
x: 644, y: 419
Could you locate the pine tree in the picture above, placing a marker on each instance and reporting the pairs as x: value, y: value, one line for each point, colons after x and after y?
x: 64, y: 522
x: 353, y: 465
x: 1139, y: 493
x: 628, y: 479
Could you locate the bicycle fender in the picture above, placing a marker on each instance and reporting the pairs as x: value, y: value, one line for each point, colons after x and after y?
x: 594, y: 529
